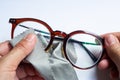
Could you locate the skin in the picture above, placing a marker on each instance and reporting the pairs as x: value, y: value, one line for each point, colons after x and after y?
x: 111, y: 59
x: 11, y: 65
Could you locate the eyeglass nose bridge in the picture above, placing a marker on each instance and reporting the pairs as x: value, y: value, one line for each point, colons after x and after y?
x: 60, y: 33
x: 53, y: 36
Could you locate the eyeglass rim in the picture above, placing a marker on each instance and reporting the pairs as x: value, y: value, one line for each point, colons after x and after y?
x: 16, y: 21
x: 83, y: 32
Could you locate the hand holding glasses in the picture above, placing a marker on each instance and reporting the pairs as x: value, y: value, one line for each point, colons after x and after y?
x: 88, y: 48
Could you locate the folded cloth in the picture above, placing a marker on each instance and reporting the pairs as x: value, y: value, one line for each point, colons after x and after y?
x: 51, y: 65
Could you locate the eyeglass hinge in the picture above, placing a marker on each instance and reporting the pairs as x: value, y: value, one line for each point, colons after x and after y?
x: 12, y: 20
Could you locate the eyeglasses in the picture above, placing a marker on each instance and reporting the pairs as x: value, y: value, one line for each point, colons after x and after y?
x: 82, y: 49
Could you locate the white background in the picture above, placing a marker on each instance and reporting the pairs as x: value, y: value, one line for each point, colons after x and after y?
x: 97, y: 16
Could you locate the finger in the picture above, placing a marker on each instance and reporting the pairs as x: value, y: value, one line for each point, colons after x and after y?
x: 26, y: 70
x: 113, y: 48
x: 29, y: 69
x: 104, y: 64
x: 19, y: 52
x: 117, y: 34
x: 114, y: 74
x: 5, y: 47
x: 20, y: 72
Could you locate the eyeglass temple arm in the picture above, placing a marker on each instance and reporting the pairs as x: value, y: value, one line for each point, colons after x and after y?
x: 90, y: 54
x: 72, y: 40
x: 59, y: 38
x: 81, y: 43
x: 34, y: 29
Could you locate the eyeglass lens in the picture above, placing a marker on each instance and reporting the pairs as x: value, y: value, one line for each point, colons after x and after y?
x: 83, y: 50
x: 39, y: 29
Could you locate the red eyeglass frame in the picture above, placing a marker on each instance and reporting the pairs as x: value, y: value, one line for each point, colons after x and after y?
x: 16, y: 21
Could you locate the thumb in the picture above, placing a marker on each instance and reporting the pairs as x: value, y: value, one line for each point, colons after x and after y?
x: 19, y: 52
x: 113, y: 49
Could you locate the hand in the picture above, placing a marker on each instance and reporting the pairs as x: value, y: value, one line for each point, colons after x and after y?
x: 112, y: 60
x: 11, y: 67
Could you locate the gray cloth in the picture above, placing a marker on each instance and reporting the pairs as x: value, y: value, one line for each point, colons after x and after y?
x: 51, y: 65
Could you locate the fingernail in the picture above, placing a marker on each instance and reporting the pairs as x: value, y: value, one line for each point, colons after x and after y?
x: 110, y: 40
x: 30, y: 37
